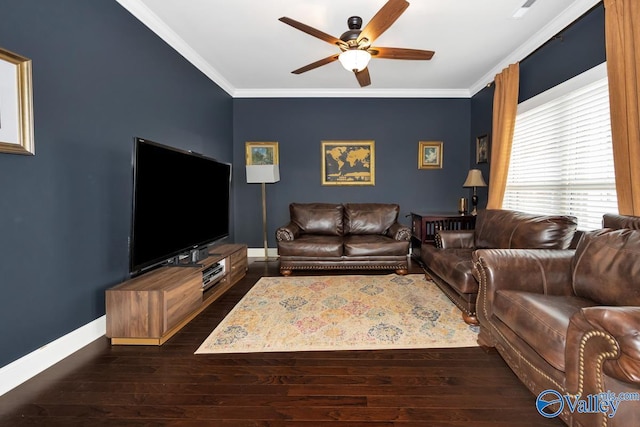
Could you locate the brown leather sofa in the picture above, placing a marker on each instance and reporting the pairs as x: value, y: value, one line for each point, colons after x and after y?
x: 569, y: 321
x: 450, y: 265
x: 343, y: 236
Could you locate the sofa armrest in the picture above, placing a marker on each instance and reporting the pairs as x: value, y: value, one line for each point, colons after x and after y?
x: 287, y: 232
x: 543, y: 271
x: 602, y: 340
x: 398, y: 231
x: 456, y: 239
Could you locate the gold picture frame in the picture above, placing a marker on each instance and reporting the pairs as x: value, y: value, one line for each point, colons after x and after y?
x: 348, y: 163
x: 482, y: 149
x: 430, y: 155
x: 261, y: 153
x: 16, y: 110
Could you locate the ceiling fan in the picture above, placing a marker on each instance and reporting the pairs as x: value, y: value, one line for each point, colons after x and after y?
x: 355, y: 44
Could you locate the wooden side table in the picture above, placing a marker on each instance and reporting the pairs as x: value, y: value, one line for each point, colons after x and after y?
x: 425, y: 225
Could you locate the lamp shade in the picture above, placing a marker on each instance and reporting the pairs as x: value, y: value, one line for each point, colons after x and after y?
x: 474, y: 179
x: 354, y: 59
x: 257, y: 174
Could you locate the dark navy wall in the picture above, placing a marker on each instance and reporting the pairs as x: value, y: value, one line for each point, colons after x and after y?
x: 396, y: 126
x: 578, y: 48
x: 481, y: 120
x: 100, y: 77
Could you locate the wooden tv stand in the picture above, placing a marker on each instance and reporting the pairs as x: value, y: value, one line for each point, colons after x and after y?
x: 151, y: 308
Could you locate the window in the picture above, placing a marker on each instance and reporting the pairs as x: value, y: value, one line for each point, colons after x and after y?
x: 562, y: 157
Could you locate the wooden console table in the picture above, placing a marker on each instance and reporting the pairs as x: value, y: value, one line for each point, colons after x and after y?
x: 151, y: 308
x: 425, y: 225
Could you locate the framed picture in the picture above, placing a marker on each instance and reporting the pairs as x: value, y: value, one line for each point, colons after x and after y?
x: 482, y: 149
x: 261, y: 153
x: 430, y: 155
x: 16, y: 106
x: 348, y: 163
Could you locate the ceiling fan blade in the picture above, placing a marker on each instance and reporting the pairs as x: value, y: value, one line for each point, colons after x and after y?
x: 316, y: 64
x: 363, y: 77
x: 400, y: 53
x: 382, y: 20
x: 312, y: 31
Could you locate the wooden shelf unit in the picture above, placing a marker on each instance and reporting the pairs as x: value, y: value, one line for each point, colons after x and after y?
x: 424, y: 227
x: 151, y: 308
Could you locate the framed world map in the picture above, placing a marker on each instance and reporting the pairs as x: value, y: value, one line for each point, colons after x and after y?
x: 348, y: 163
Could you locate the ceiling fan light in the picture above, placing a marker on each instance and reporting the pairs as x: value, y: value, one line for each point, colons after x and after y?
x: 354, y: 59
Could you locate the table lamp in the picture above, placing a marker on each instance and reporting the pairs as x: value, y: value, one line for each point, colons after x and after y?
x: 474, y: 179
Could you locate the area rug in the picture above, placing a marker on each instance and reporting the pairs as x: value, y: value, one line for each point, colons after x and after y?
x: 348, y: 312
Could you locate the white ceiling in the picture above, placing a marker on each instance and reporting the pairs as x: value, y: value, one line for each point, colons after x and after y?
x: 241, y: 45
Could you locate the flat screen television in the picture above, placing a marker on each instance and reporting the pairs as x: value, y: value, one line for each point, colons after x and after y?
x: 180, y: 204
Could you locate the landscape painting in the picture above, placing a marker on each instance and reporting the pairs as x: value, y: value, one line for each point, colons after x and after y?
x: 261, y: 153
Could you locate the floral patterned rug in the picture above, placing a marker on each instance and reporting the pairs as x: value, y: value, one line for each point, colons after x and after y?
x: 312, y: 313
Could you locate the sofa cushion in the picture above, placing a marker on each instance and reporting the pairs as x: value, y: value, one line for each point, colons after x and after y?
x: 607, y: 267
x: 454, y: 266
x: 506, y: 229
x: 369, y: 218
x: 318, y: 218
x: 540, y: 320
x: 620, y: 221
x: 312, y: 245
x: 374, y: 245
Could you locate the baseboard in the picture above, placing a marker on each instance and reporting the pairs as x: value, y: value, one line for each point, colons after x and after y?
x: 23, y: 369
x: 259, y: 252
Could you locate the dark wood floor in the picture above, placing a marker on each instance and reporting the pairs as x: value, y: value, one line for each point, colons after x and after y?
x: 102, y: 385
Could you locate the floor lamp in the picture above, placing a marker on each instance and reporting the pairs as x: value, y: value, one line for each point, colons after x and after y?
x: 475, y: 180
x: 263, y: 174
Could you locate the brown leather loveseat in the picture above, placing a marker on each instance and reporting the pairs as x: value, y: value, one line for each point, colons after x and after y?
x: 343, y: 236
x: 568, y: 322
x: 449, y: 263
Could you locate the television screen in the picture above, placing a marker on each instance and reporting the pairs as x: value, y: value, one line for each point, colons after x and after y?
x: 180, y: 203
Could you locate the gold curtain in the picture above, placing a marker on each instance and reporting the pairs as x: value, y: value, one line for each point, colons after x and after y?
x: 505, y: 106
x: 622, y: 33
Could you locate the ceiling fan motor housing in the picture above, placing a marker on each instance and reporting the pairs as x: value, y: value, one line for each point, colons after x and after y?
x: 354, y: 23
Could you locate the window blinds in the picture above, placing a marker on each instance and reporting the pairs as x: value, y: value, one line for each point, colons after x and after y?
x: 562, y: 158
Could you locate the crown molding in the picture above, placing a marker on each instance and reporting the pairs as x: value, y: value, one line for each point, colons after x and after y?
x: 569, y: 15
x: 155, y: 24
x: 351, y: 93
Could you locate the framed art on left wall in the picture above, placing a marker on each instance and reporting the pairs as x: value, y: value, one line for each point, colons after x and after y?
x: 16, y: 108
